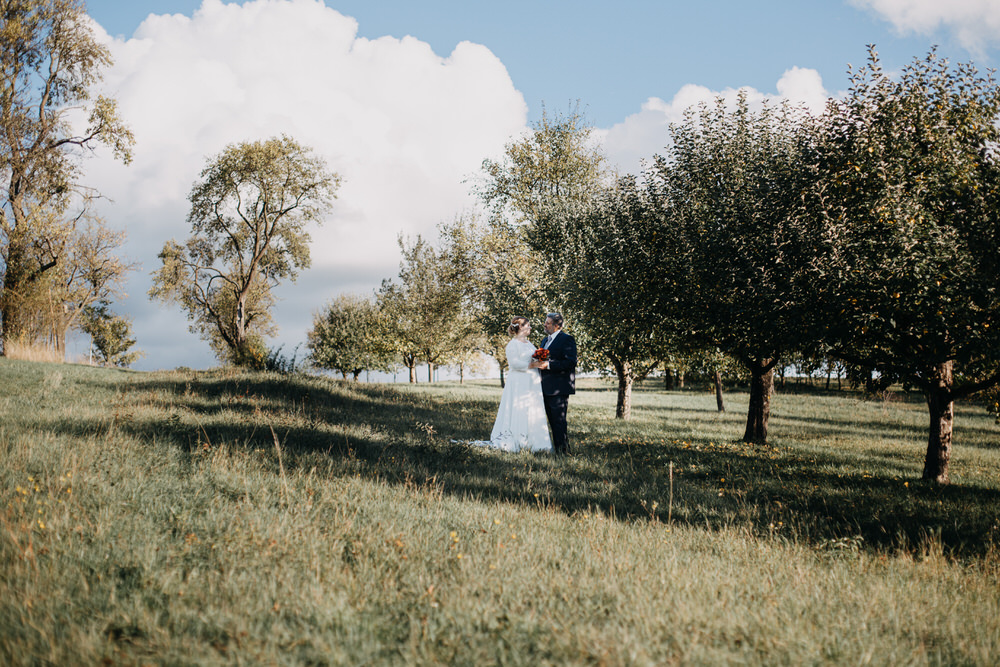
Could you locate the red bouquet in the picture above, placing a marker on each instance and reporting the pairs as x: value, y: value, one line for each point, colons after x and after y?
x: 541, y: 354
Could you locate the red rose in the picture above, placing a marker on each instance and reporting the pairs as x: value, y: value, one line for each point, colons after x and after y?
x: 541, y: 354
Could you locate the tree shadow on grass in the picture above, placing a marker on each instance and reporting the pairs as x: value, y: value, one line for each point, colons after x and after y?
x: 408, y: 437
x: 782, y: 422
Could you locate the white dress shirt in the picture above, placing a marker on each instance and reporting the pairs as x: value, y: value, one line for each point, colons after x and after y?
x: 551, y: 337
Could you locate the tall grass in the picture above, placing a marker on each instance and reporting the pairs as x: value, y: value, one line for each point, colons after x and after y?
x: 234, y: 518
x: 32, y: 352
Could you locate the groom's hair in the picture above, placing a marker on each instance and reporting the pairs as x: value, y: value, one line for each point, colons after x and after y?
x: 556, y: 318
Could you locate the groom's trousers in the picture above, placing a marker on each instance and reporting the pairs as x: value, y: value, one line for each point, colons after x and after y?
x: 555, y: 410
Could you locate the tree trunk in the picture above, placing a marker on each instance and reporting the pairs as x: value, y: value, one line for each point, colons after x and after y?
x: 241, y: 333
x: 941, y: 406
x: 413, y: 374
x: 430, y: 371
x: 718, y: 392
x: 761, y: 384
x: 461, y: 373
x: 623, y: 409
x: 10, y: 310
x: 668, y: 378
x: 59, y: 338
x: 680, y: 379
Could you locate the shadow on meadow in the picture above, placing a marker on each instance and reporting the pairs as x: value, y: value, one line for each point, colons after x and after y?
x: 845, y: 423
x: 408, y: 437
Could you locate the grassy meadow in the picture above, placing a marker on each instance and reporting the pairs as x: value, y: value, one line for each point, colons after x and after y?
x: 223, y: 517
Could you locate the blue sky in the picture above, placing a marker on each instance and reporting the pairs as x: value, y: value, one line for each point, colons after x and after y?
x: 612, y: 56
x: 405, y: 99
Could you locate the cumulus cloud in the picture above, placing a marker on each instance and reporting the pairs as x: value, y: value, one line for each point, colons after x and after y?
x: 402, y: 125
x: 644, y: 134
x: 975, y: 23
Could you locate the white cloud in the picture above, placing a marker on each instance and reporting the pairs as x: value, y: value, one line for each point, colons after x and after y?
x: 976, y: 23
x: 402, y: 125
x: 644, y: 134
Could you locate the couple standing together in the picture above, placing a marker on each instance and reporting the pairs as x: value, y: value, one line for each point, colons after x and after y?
x: 537, y: 391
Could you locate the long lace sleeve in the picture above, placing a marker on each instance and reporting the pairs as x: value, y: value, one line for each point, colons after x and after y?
x: 518, y: 355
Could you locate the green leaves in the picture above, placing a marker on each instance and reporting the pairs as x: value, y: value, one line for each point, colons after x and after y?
x: 49, y: 61
x: 351, y: 335
x: 909, y: 170
x: 731, y: 184
x: 248, y: 216
x: 111, y: 335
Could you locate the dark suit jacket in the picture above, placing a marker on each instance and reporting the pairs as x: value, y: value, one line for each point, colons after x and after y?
x: 560, y: 377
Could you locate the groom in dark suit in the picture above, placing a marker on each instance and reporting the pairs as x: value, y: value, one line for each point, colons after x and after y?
x: 558, y: 379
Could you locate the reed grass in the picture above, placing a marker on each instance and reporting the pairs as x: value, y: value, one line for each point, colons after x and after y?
x: 237, y: 518
x: 31, y: 352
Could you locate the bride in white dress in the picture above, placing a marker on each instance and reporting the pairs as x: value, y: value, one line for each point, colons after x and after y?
x: 521, y: 422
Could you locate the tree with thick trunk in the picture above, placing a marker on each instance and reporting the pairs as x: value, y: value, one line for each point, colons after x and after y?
x: 740, y: 252
x: 623, y: 369
x: 49, y: 62
x: 761, y: 387
x: 719, y: 402
x: 909, y: 190
x: 941, y: 407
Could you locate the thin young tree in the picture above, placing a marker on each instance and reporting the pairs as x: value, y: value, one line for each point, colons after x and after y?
x: 426, y: 310
x: 557, y: 163
x: 110, y: 335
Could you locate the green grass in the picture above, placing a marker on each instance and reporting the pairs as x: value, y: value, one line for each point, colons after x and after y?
x: 234, y: 518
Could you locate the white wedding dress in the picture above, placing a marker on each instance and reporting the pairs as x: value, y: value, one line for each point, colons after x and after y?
x: 521, y: 422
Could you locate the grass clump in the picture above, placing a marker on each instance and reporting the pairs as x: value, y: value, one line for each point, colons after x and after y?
x: 238, y: 518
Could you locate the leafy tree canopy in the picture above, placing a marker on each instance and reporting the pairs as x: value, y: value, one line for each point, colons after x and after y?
x: 249, y: 214
x: 49, y: 62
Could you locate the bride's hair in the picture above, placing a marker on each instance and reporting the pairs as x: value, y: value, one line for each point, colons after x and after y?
x: 516, y: 324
